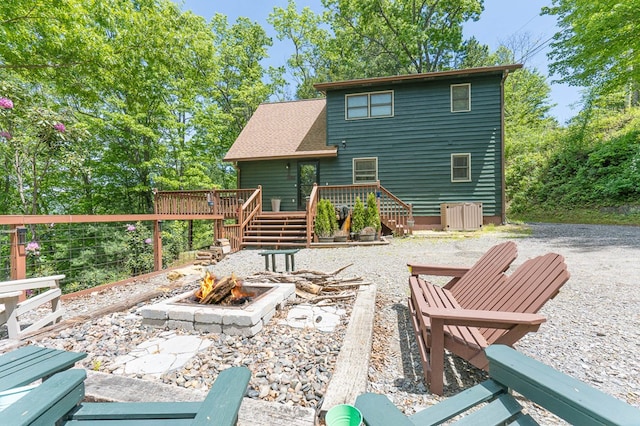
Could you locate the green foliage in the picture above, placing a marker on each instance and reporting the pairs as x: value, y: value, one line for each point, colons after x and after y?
x: 150, y: 96
x: 595, y: 164
x: 139, y: 249
x: 597, y: 45
x: 372, y: 215
x: 360, y: 38
x: 325, y: 223
x: 358, y: 216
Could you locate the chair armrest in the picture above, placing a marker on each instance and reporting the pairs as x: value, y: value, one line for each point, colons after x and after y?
x: 436, y: 270
x: 477, y: 318
x: 49, y: 402
x: 567, y: 397
x: 377, y: 410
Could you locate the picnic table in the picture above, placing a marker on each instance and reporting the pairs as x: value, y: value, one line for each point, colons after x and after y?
x: 288, y: 258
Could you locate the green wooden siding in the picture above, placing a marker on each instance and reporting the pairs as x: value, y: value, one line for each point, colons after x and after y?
x: 414, y: 146
x: 275, y: 178
x: 277, y: 181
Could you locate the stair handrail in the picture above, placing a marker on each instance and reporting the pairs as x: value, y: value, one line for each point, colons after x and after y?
x: 251, y: 207
x: 399, y: 216
x: 311, y: 211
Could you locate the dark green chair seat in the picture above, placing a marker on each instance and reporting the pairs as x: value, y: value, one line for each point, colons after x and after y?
x: 564, y: 396
x: 220, y: 407
x: 30, y: 363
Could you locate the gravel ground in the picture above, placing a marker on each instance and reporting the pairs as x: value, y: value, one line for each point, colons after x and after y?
x: 592, y: 332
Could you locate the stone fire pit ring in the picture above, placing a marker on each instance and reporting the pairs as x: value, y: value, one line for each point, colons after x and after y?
x: 246, y: 320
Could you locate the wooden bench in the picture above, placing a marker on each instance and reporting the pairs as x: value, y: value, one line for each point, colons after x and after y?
x: 499, y: 310
x: 30, y: 363
x: 288, y: 258
x: 47, y: 403
x: 568, y: 398
x: 11, y: 308
x: 219, y: 408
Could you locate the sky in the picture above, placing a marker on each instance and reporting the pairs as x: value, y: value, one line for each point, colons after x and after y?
x: 500, y: 21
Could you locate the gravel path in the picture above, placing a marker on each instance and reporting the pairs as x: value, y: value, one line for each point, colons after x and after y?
x: 592, y: 332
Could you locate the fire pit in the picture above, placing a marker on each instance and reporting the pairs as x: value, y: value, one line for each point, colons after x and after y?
x: 235, y: 310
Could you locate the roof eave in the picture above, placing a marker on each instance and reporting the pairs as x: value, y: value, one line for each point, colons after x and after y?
x: 398, y: 79
x: 302, y: 154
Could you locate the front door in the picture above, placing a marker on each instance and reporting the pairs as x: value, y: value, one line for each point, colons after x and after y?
x: 308, y: 174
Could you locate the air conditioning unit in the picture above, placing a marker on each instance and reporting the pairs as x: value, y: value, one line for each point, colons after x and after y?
x: 461, y: 216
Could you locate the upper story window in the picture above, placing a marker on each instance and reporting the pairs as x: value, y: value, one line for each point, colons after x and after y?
x: 365, y: 170
x: 460, y: 97
x: 369, y: 105
x: 460, y: 167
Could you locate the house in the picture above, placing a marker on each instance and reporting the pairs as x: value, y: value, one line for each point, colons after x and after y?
x: 428, y: 139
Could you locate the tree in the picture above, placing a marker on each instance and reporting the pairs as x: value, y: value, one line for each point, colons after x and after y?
x: 401, y: 36
x: 362, y: 38
x: 597, y: 45
x: 162, y: 93
x: 309, y: 63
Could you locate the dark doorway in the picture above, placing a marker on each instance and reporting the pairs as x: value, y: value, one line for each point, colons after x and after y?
x: 308, y: 174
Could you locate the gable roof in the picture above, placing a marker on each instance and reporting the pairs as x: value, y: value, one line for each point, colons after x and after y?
x: 284, y: 130
x: 411, y: 78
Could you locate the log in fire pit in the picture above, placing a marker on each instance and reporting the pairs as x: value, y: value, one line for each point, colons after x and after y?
x: 226, y: 291
x: 220, y: 306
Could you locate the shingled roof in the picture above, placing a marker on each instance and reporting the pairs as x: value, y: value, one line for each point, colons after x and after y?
x: 284, y: 130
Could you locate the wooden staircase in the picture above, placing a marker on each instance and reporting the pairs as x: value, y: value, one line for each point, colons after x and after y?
x: 276, y: 230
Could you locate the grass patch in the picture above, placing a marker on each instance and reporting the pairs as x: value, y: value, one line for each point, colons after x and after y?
x: 625, y: 215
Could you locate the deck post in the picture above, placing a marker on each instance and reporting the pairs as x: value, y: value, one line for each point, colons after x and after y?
x: 157, y: 245
x: 18, y: 256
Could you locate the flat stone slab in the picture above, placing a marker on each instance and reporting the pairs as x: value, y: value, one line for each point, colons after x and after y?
x: 323, y: 318
x: 157, y: 356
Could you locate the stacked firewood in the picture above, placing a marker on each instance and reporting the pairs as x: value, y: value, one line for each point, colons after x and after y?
x: 209, y: 257
x: 313, y: 286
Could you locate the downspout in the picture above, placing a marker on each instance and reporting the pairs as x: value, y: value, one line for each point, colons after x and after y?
x: 502, y: 150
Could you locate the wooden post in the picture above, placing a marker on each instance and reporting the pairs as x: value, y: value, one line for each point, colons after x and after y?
x: 18, y: 256
x: 157, y: 245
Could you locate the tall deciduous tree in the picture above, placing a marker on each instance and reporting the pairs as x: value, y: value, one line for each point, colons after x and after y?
x: 598, y: 44
x: 162, y: 92
x: 402, y: 36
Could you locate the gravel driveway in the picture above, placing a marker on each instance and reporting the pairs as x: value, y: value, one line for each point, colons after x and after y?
x: 593, y: 326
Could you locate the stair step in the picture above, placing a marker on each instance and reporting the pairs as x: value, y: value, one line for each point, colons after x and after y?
x: 271, y: 239
x: 254, y: 235
x: 270, y: 244
x: 274, y: 226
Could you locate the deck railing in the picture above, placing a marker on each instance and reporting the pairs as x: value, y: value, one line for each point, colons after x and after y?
x: 237, y: 205
x: 240, y: 206
x: 394, y: 213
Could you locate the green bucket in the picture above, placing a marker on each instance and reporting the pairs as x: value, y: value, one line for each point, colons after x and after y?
x: 343, y: 415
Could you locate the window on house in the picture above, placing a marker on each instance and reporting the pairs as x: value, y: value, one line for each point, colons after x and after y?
x: 460, y: 167
x: 369, y: 105
x: 460, y: 97
x: 365, y: 170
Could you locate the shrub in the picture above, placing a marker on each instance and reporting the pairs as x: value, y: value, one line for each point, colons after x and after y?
x: 372, y: 216
x: 358, y: 217
x: 326, y: 223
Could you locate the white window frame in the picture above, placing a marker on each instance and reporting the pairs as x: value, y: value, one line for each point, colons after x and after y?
x: 355, y: 160
x: 468, y: 85
x: 457, y: 155
x: 368, y: 95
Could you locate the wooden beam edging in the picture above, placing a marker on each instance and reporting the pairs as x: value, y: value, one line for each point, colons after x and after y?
x: 350, y: 376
